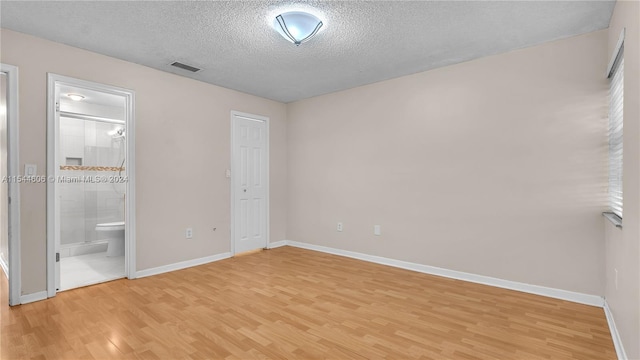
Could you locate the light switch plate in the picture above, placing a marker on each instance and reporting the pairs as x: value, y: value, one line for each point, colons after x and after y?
x: 30, y: 169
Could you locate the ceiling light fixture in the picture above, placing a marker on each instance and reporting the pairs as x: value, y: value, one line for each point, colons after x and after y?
x: 297, y: 26
x: 75, y: 97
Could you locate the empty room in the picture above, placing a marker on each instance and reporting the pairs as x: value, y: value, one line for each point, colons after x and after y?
x: 320, y: 179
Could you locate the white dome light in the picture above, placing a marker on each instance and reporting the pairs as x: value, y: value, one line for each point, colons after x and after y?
x: 75, y: 97
x: 297, y: 26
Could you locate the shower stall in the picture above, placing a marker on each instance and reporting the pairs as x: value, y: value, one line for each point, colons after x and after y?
x: 91, y: 151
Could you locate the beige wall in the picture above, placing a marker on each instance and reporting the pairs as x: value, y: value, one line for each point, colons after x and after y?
x: 182, y: 152
x: 493, y: 167
x: 623, y: 245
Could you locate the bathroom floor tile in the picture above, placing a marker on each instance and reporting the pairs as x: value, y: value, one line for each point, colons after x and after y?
x: 89, y: 269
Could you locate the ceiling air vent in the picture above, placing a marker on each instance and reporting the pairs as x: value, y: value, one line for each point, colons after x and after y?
x: 185, y: 67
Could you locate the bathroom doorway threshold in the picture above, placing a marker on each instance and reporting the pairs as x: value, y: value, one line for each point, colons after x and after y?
x: 90, y: 269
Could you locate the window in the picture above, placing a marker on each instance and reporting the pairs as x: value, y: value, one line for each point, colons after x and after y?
x: 616, y: 106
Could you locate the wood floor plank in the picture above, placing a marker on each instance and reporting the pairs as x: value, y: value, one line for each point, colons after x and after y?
x: 299, y: 304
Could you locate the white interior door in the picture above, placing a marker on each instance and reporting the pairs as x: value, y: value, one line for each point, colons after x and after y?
x: 250, y: 182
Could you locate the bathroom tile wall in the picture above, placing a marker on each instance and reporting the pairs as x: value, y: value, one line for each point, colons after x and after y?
x: 72, y: 195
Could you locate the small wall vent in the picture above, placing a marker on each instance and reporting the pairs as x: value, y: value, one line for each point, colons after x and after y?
x: 185, y: 67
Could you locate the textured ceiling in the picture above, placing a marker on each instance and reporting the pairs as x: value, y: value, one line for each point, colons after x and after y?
x: 362, y: 41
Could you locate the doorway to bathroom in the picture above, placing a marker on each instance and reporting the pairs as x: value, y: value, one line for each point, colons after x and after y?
x: 89, y: 184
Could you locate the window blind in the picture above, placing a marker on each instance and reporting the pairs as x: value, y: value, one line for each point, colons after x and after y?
x: 616, y: 106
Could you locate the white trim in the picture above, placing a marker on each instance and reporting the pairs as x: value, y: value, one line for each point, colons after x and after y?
x: 253, y: 117
x: 182, y: 265
x: 13, y: 169
x: 51, y: 196
x: 615, y: 335
x: 130, y: 191
x: 616, y: 53
x: 278, y: 244
x: 29, y: 298
x: 586, y: 299
x: 130, y: 227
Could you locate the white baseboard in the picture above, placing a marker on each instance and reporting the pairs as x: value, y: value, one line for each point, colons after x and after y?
x: 615, y: 335
x: 277, y: 244
x: 5, y: 268
x: 195, y: 262
x: 29, y: 298
x: 593, y: 300
x: 182, y: 265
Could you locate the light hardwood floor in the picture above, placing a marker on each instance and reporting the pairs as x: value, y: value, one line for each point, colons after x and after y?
x: 294, y: 303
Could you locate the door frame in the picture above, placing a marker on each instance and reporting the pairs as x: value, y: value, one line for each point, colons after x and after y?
x: 13, y: 171
x: 52, y: 143
x: 243, y: 115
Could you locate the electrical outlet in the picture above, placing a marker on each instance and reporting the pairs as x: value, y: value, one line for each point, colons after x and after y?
x: 339, y: 227
x: 376, y: 230
x: 189, y: 233
x: 615, y: 280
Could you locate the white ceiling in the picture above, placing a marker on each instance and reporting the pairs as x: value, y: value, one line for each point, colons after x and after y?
x: 362, y: 41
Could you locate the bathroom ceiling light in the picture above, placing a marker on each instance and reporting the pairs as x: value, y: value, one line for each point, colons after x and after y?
x: 297, y: 26
x: 75, y: 97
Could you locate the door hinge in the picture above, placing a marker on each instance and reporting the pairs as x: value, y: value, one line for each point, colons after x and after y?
x: 57, y: 257
x: 57, y: 106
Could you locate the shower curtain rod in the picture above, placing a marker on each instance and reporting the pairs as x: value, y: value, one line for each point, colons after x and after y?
x: 90, y: 117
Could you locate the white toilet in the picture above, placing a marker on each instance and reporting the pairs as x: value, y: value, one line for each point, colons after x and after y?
x: 115, y: 234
